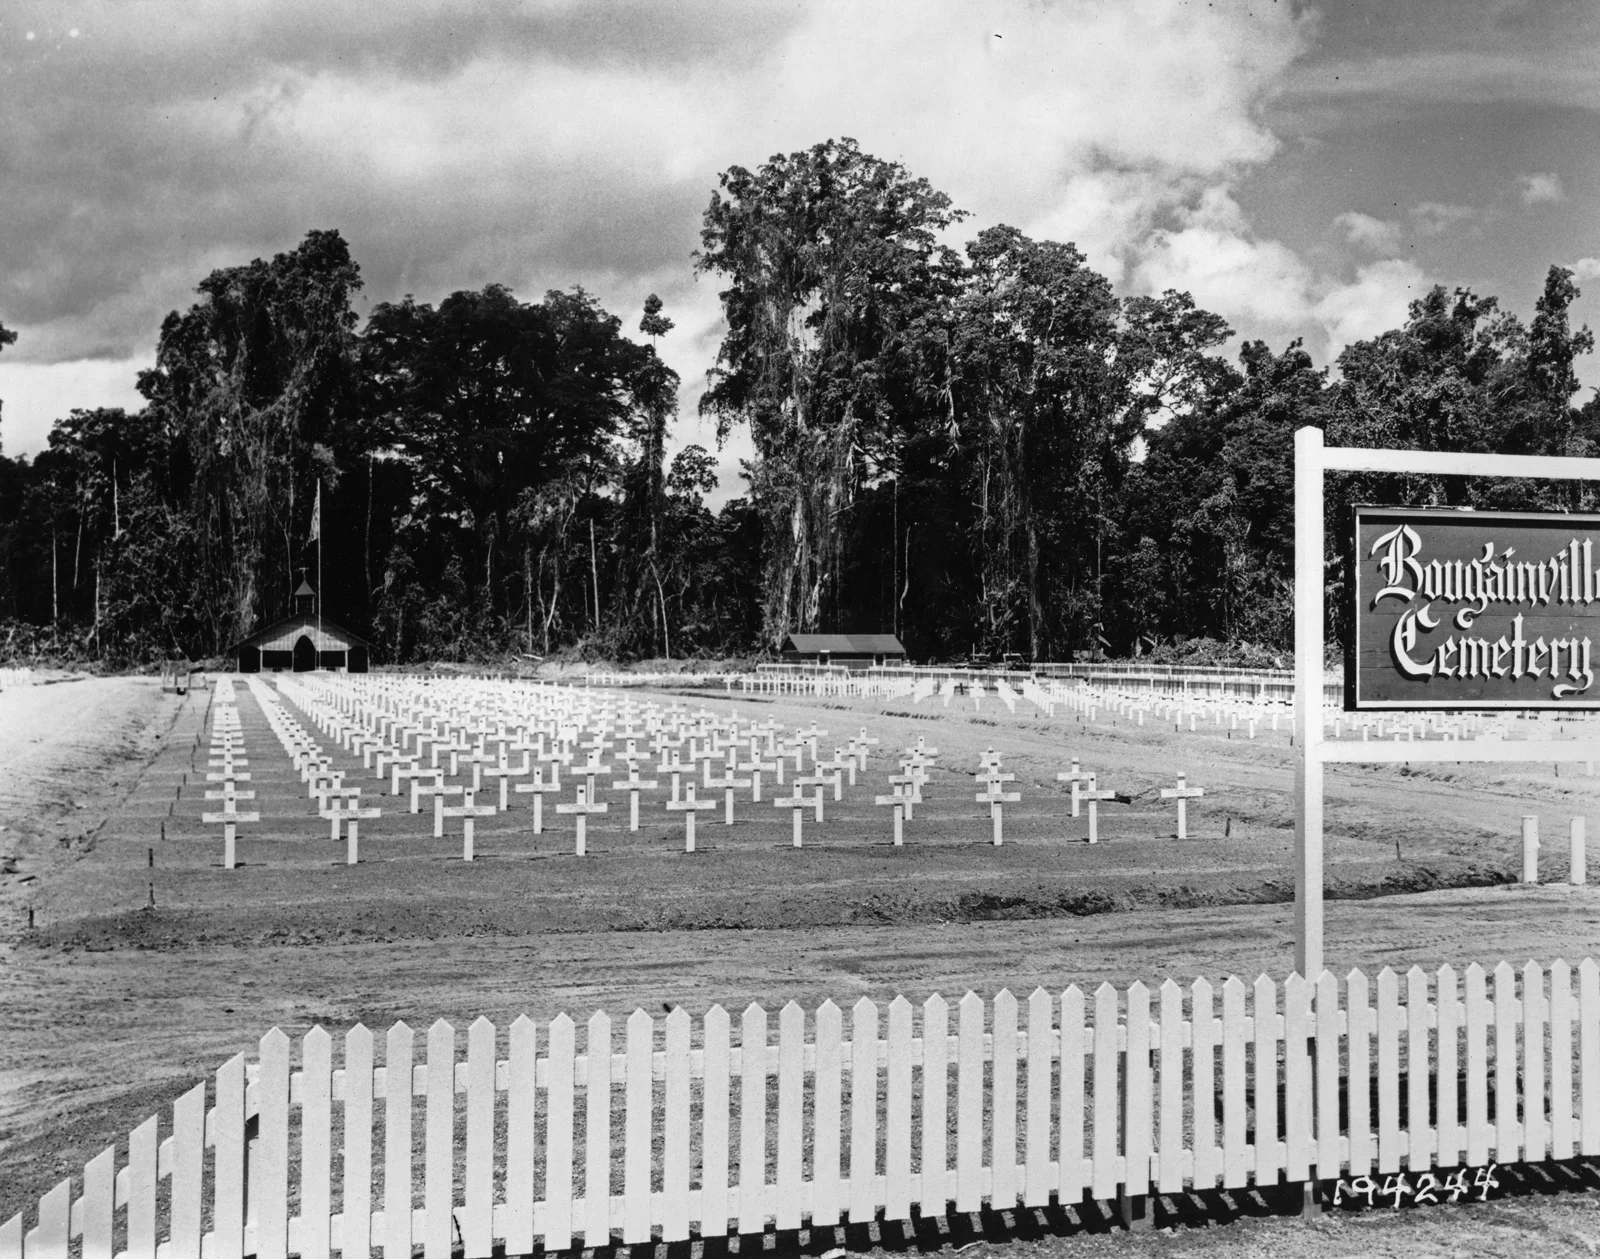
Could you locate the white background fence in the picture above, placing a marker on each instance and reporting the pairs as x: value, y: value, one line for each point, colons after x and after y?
x: 673, y: 1126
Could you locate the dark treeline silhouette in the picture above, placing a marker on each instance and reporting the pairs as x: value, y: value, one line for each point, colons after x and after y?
x: 984, y: 450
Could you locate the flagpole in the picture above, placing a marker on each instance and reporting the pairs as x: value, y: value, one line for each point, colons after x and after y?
x: 319, y: 572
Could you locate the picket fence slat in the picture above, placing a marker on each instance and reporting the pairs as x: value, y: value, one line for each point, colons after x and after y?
x: 1264, y: 1077
x: 1562, y: 1145
x: 271, y: 1192
x: 1237, y: 1163
x: 1327, y: 1082
x: 1449, y: 1142
x: 316, y: 1143
x: 1137, y: 1109
x: 355, y: 1236
x: 674, y: 1134
x: 399, y: 1046
x: 1036, y: 1136
x: 714, y: 1211
x: 558, y: 1112
x: 934, y: 1189
x: 791, y: 1116
x: 897, y: 1113
x: 1299, y: 1122
x: 1389, y: 1019
x: 825, y: 1149
x: 753, y: 1112
x: 1204, y: 1038
x: 1253, y: 1096
x: 1507, y: 1132
x: 1419, y: 1128
x: 99, y: 1204
x: 1478, y: 1015
x: 864, y: 1111
x: 477, y: 1206
x: 597, y: 1135
x: 1107, y: 1172
x: 1358, y: 1040
x: 1004, y: 1189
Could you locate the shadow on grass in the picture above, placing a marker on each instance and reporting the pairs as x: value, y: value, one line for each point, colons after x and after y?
x: 1192, y: 1209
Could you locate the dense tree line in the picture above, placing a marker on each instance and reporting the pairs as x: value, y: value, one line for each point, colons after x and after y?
x: 984, y: 450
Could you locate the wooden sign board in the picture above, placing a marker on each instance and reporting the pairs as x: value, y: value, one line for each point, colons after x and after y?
x: 1470, y: 610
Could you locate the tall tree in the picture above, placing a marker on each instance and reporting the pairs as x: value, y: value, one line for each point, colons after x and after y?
x: 509, y: 413
x: 832, y: 257
x: 251, y: 381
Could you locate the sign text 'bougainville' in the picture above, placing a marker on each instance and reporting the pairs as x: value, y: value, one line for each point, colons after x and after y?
x: 1471, y: 609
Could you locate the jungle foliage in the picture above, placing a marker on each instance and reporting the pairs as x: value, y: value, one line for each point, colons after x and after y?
x: 985, y: 450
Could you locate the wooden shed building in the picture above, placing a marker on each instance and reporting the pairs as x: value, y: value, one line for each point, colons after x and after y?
x: 300, y: 644
x: 854, y: 651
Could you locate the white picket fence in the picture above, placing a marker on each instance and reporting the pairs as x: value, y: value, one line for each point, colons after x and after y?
x: 680, y: 1129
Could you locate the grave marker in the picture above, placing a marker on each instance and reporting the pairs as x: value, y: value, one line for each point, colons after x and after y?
x: 1182, y: 793
x: 689, y: 806
x: 581, y: 809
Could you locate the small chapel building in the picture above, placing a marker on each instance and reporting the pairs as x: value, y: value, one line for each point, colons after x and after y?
x: 301, y: 643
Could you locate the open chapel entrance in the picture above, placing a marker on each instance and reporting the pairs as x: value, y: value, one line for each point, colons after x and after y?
x: 305, y: 655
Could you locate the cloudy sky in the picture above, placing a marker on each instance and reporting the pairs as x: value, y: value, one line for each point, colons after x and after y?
x: 1303, y: 170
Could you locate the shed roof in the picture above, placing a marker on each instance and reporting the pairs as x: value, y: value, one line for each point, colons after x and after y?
x: 283, y: 635
x: 845, y: 644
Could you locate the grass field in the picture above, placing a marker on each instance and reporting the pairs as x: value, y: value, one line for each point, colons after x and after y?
x: 113, y: 1007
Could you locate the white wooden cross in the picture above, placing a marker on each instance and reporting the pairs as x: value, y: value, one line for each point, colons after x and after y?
x: 836, y: 769
x: 1076, y: 777
x: 1182, y: 793
x: 797, y: 803
x: 689, y: 806
x: 819, y: 781
x: 677, y: 769
x: 633, y: 785
x: 229, y: 818
x: 994, y: 781
x: 504, y: 771
x: 755, y: 767
x: 438, y: 789
x: 335, y: 801
x: 811, y: 736
x: 581, y: 808
x: 906, y: 786
x: 997, y: 799
x: 407, y: 766
x: 590, y: 770
x: 1094, y: 796
x: 467, y: 811
x: 726, y: 784
x: 352, y: 820
x: 898, y: 800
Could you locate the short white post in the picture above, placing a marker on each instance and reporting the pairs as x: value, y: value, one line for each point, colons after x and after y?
x: 1578, y: 873
x: 1530, y: 849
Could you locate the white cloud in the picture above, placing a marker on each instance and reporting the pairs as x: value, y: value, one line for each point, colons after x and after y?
x: 37, y: 394
x: 1587, y: 269
x: 1264, y: 286
x: 1380, y: 236
x: 1434, y: 218
x: 1540, y: 189
x: 1375, y: 302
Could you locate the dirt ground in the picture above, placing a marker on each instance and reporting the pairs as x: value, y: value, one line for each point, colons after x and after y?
x: 113, y: 1007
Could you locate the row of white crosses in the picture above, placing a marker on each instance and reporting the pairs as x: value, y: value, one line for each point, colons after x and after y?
x: 561, y: 716
x: 227, y: 766
x: 336, y: 801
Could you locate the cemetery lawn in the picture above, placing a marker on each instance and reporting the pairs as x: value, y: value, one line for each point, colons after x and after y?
x: 113, y: 1008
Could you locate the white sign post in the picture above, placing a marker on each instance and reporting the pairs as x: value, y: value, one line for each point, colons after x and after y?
x: 1311, y: 460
